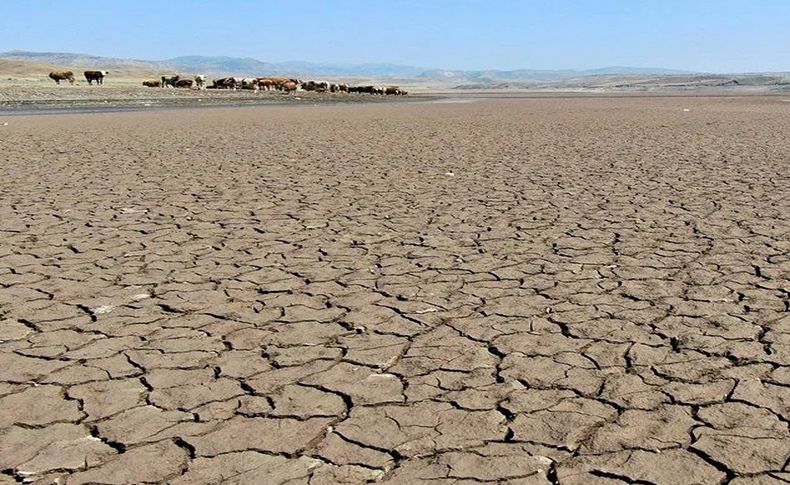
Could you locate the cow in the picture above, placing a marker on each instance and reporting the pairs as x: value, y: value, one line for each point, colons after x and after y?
x: 97, y: 76
x: 184, y: 83
x: 393, y: 90
x: 289, y: 86
x: 200, y: 81
x: 362, y: 89
x: 170, y: 81
x: 317, y: 86
x: 152, y: 84
x: 274, y: 82
x: 59, y: 76
x: 249, y: 83
x: 342, y: 88
x: 266, y: 83
x: 225, y: 83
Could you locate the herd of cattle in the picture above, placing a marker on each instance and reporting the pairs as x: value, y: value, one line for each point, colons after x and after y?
x: 254, y: 84
x: 270, y: 84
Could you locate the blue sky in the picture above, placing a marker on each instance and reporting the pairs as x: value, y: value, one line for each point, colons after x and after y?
x: 709, y: 35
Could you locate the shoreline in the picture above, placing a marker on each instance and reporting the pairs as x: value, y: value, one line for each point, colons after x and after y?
x: 71, y: 106
x: 65, y: 105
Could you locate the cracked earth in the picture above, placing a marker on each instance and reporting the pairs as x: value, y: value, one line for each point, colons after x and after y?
x: 546, y: 291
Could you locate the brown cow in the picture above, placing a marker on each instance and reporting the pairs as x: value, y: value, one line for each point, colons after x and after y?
x: 275, y: 82
x: 152, y: 84
x: 59, y: 76
x: 97, y: 76
x: 266, y: 83
x: 289, y: 86
x: 184, y: 83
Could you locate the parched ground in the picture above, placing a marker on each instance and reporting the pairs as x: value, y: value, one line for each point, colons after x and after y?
x: 547, y: 291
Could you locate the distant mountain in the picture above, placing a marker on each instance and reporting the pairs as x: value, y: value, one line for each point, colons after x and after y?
x: 222, y: 65
x: 218, y: 65
x: 253, y: 67
x: 351, y: 70
x: 546, y: 75
x: 245, y: 66
x: 81, y: 60
x: 633, y: 71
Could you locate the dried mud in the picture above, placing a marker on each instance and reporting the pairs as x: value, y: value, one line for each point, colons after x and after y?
x: 576, y: 291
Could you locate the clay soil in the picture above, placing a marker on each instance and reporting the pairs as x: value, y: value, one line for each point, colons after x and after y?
x: 535, y: 291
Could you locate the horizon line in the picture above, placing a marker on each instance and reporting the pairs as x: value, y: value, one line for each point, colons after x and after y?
x: 679, y: 71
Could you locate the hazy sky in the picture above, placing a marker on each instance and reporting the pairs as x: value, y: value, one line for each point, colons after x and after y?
x: 709, y: 35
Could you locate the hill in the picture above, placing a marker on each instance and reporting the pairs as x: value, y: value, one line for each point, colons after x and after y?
x: 36, y: 65
x: 24, y: 69
x: 216, y: 65
x: 39, y: 66
x: 245, y: 66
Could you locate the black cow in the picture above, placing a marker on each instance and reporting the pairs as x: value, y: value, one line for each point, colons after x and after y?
x: 170, y: 81
x: 225, y: 83
x: 97, y: 76
x: 317, y: 86
x: 362, y: 89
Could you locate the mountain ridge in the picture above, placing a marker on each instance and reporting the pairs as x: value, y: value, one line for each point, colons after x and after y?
x: 248, y: 66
